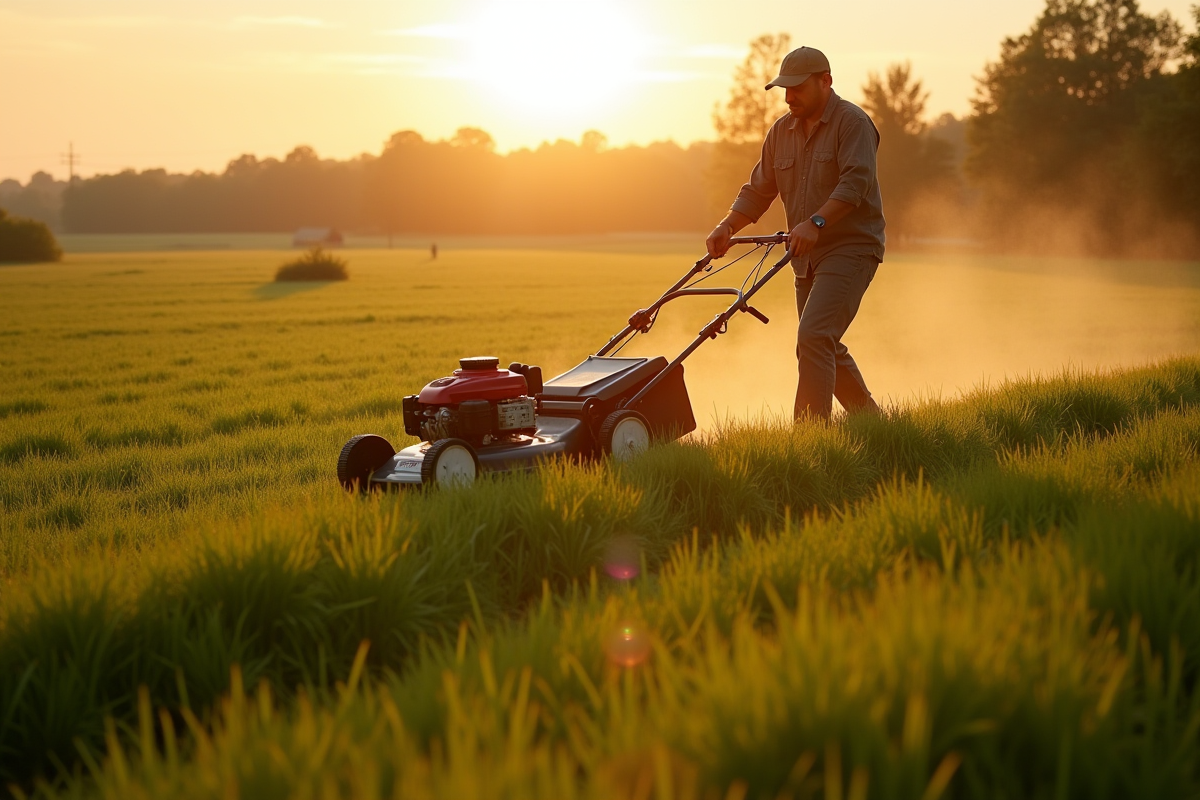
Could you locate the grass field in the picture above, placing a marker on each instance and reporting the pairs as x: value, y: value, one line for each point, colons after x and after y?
x: 991, y: 592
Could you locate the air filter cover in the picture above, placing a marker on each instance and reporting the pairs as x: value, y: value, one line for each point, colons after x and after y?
x: 479, y: 362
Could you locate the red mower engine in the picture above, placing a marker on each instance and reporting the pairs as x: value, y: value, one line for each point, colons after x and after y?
x: 480, y: 403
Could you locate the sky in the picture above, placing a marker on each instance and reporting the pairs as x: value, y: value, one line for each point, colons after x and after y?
x: 189, y: 85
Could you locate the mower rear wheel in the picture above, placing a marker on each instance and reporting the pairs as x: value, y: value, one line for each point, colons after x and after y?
x: 624, y: 433
x: 360, y: 457
x: 449, y: 462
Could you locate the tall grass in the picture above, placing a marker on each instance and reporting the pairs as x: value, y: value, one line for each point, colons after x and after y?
x: 990, y: 680
x: 925, y: 602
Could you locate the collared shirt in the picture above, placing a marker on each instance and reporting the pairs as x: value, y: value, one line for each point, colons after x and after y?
x: 837, y: 159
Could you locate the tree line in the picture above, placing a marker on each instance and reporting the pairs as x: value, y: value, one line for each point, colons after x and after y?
x: 1082, y: 136
x: 455, y: 186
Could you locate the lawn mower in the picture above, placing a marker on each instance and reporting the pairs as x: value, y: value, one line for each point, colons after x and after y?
x: 486, y: 419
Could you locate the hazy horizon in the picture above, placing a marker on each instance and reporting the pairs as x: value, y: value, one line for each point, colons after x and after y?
x: 135, y: 86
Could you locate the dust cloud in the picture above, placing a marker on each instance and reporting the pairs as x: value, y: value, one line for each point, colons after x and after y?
x: 939, y: 325
x: 1104, y: 222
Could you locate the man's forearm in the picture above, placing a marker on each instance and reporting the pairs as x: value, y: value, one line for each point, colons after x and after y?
x: 736, y: 220
x: 834, y: 210
x: 803, y: 238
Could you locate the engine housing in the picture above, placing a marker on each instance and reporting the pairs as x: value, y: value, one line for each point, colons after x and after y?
x: 478, y: 402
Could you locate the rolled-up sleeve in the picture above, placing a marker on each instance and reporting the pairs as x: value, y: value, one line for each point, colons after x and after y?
x: 756, y: 196
x: 857, y: 143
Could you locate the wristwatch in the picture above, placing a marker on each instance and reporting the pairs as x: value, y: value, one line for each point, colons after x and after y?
x: 818, y: 220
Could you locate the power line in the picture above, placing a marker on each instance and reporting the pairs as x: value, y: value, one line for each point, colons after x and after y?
x: 71, y: 158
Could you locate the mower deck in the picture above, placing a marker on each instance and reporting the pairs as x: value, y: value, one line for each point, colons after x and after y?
x: 556, y: 436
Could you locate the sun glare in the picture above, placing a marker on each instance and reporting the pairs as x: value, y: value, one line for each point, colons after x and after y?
x: 556, y: 57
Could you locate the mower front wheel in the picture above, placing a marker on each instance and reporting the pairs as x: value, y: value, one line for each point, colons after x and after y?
x: 624, y: 433
x: 360, y: 457
x: 449, y: 462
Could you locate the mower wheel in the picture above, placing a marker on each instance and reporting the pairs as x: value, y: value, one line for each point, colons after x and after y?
x: 360, y: 457
x: 624, y: 433
x: 449, y: 462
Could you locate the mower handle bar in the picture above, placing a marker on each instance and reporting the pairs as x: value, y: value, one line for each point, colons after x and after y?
x: 719, y: 324
x: 640, y: 321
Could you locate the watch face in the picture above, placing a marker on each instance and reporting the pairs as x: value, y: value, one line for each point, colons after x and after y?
x: 818, y: 220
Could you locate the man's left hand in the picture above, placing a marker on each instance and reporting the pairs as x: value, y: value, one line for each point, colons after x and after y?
x: 803, y: 238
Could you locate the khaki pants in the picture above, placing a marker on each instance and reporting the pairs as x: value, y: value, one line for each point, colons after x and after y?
x: 827, y: 298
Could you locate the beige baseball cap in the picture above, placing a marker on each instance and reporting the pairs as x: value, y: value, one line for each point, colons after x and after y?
x: 798, y: 65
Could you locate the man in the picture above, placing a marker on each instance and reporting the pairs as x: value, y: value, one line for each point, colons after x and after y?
x: 820, y: 159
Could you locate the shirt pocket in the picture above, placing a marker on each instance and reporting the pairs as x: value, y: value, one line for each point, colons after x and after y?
x: 785, y: 174
x: 825, y: 173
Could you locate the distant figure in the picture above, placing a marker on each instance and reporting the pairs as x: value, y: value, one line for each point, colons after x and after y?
x: 820, y: 159
x: 433, y: 251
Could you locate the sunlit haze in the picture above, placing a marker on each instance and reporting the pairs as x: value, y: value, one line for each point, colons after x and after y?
x: 182, y: 85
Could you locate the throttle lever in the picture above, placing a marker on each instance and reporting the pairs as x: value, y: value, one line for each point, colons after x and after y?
x: 754, y: 312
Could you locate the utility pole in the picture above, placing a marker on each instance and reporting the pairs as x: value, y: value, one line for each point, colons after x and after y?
x: 70, y: 158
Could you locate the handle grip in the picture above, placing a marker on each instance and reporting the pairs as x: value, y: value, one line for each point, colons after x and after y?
x: 774, y: 238
x: 754, y: 312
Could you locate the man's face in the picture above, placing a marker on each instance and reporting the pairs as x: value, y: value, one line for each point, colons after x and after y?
x: 805, y: 100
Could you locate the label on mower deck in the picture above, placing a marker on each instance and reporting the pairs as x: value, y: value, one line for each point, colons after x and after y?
x: 404, y: 470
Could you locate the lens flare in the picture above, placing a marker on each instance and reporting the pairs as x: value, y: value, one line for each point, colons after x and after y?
x: 623, y: 558
x: 628, y: 645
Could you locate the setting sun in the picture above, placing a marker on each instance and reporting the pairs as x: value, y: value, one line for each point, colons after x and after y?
x: 549, y: 58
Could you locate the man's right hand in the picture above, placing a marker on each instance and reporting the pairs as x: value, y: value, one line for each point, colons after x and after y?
x: 718, y: 240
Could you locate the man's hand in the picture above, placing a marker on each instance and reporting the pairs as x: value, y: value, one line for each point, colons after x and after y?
x: 803, y: 238
x: 718, y: 240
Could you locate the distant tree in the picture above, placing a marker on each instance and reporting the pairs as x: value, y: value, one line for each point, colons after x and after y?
x: 40, y: 199
x: 403, y: 139
x: 468, y: 181
x: 750, y: 111
x: 1168, y: 130
x: 475, y: 138
x: 302, y: 154
x: 911, y: 163
x: 1053, y: 114
x: 896, y: 102
x: 26, y: 240
x: 743, y: 121
x: 593, y: 141
x: 953, y: 131
x: 387, y: 179
x: 245, y: 164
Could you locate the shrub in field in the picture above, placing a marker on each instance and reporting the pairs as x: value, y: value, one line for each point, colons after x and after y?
x: 315, y: 265
x: 26, y: 240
